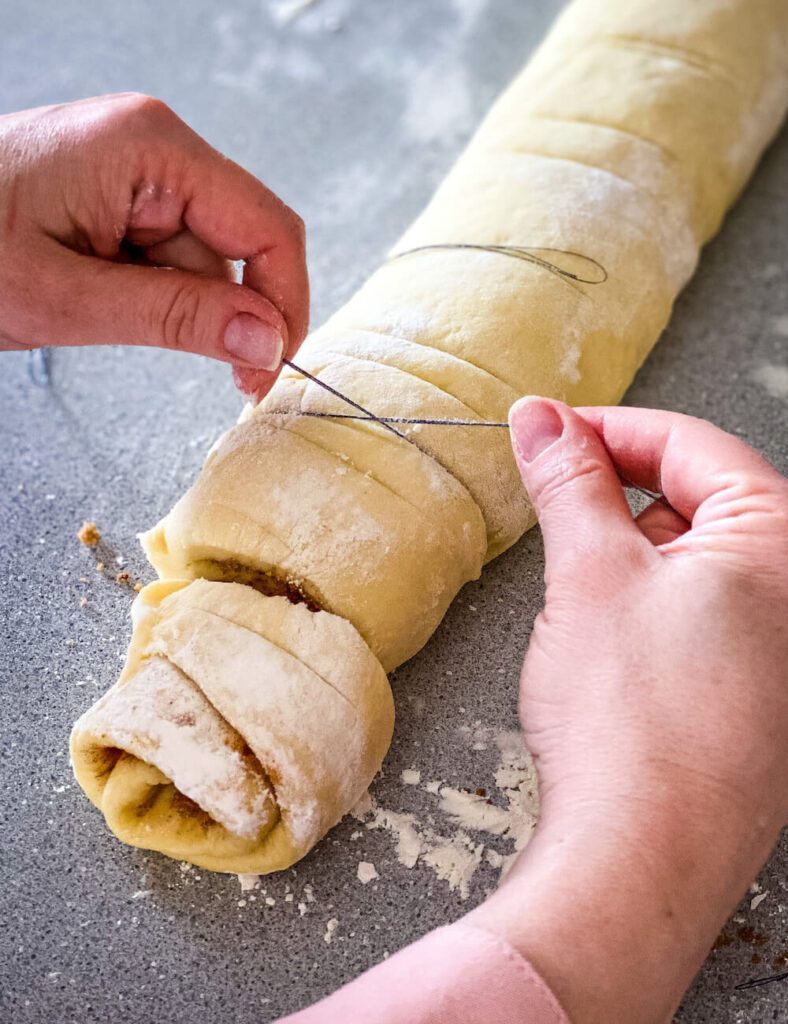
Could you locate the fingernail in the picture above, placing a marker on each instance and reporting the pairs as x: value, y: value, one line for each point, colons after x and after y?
x: 535, y: 425
x: 254, y: 341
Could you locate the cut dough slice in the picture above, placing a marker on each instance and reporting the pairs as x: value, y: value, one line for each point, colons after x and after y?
x: 242, y: 728
x: 363, y: 523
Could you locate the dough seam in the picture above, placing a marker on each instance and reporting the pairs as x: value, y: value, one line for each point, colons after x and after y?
x: 625, y: 132
x: 686, y: 58
x: 284, y: 650
x: 428, y: 346
x: 399, y: 369
x: 356, y: 426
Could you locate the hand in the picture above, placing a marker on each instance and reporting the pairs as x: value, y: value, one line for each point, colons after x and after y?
x: 654, y: 700
x: 98, y: 197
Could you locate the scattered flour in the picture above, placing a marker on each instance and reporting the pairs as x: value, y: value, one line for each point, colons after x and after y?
x: 367, y: 872
x: 756, y: 901
x: 331, y: 927
x: 440, y: 102
x: 411, y: 777
x: 479, y: 735
x: 249, y: 882
x: 410, y: 842
x: 455, y: 858
x: 772, y: 377
x: 288, y: 10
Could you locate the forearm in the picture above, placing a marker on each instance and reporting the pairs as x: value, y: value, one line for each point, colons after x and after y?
x: 618, y: 921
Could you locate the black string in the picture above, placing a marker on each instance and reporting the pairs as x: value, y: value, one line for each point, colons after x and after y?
x: 404, y: 419
x: 386, y: 421
x: 528, y: 255
x: 338, y: 394
x: 758, y: 982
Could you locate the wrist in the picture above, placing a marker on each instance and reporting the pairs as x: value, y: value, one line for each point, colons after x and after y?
x: 618, y: 915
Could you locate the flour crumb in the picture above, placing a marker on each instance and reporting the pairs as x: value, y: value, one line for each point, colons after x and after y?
x: 89, y: 534
x: 331, y: 927
x: 455, y: 860
x: 309, y: 893
x: 288, y: 897
x: 270, y: 901
x: 756, y: 901
x: 249, y: 882
x: 493, y: 858
x: 403, y: 827
x: 141, y: 894
x: 411, y: 777
x: 433, y: 787
x: 773, y: 378
x: 355, y: 835
x: 367, y: 872
x: 302, y: 909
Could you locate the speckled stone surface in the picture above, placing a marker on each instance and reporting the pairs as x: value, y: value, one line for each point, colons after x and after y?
x: 352, y: 112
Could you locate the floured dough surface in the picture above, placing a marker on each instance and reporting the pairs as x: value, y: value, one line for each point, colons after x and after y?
x: 218, y: 744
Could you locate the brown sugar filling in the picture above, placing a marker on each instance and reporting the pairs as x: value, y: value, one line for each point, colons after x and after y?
x: 266, y: 583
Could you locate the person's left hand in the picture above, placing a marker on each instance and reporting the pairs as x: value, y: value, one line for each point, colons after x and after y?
x: 118, y: 224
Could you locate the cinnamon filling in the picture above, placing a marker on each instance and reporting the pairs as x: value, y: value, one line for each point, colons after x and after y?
x: 265, y: 583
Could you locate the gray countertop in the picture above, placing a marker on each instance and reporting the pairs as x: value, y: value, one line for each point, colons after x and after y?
x: 352, y: 111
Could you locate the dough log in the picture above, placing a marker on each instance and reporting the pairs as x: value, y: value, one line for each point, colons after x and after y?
x: 607, y: 164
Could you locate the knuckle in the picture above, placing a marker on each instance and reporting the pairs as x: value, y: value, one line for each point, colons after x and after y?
x: 128, y: 114
x: 178, y: 316
x: 142, y: 108
x: 299, y: 227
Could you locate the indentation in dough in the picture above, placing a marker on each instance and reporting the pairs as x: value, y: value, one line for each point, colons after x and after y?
x: 359, y: 426
x: 627, y: 132
x: 409, y: 372
x: 690, y: 59
x: 288, y: 654
x: 386, y: 338
x: 419, y: 440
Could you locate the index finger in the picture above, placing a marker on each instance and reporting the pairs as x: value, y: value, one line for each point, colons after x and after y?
x: 239, y: 218
x: 686, y: 459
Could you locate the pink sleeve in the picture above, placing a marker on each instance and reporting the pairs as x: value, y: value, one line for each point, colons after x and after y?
x: 455, y: 975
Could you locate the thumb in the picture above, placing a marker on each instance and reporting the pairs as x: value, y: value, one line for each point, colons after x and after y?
x: 89, y: 301
x: 572, y: 483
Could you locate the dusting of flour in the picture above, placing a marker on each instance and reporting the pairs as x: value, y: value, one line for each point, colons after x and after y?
x: 488, y: 828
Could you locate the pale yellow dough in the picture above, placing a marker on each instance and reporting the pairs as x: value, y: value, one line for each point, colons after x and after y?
x: 625, y: 140
x: 269, y: 718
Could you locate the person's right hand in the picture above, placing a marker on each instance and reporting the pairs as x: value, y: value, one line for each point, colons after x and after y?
x: 654, y: 700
